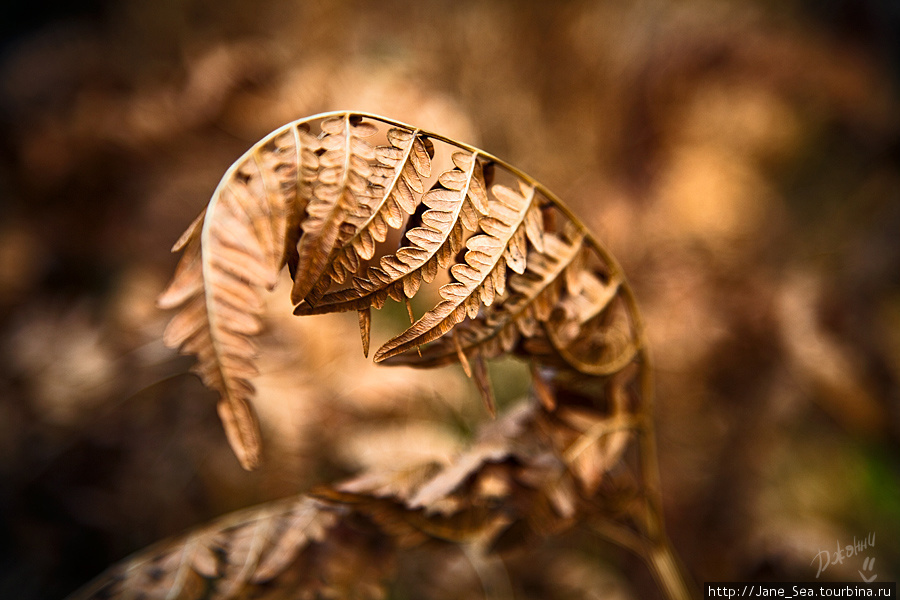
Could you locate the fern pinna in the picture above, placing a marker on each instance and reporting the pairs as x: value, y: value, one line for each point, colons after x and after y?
x: 362, y: 209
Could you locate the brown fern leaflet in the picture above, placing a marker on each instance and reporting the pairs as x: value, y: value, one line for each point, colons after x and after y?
x: 363, y: 209
x: 236, y: 247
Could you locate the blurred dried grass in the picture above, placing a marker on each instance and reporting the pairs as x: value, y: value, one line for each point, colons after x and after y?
x: 740, y: 159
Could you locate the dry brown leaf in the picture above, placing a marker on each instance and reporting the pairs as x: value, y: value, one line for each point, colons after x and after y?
x: 514, y: 272
x: 342, y: 184
x: 519, y: 280
x: 247, y: 551
x: 231, y: 251
x: 397, y: 185
x: 531, y: 298
x: 445, y: 213
x: 486, y: 253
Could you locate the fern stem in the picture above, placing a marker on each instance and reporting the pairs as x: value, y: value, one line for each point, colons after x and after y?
x: 668, y: 571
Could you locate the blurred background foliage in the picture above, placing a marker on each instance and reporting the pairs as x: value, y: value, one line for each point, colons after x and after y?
x: 741, y: 159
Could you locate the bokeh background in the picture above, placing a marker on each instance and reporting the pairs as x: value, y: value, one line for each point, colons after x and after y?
x: 741, y: 159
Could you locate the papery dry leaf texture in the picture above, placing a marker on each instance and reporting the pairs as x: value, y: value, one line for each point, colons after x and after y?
x: 322, y: 195
x: 236, y: 247
x: 274, y: 551
x: 362, y: 210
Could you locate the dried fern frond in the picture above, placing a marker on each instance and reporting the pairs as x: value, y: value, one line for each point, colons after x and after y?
x: 363, y: 209
x: 397, y: 176
x: 340, y: 189
x: 295, y: 548
x: 447, y: 211
x: 231, y: 251
x: 323, y: 196
x: 519, y: 313
x: 531, y: 474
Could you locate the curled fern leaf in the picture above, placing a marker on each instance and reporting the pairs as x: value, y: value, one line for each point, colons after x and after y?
x: 363, y: 209
x: 341, y: 186
x: 447, y: 210
x: 354, y: 205
x: 231, y: 251
x: 241, y: 555
x: 519, y: 313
